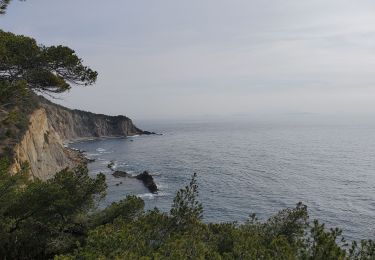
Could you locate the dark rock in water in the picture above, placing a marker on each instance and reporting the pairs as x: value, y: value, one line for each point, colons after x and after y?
x: 110, y: 165
x: 148, y: 181
x: 148, y: 133
x: 119, y: 174
x: 90, y: 160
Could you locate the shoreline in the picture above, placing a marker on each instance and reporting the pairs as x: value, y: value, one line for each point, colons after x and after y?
x: 81, y: 154
x: 104, y: 137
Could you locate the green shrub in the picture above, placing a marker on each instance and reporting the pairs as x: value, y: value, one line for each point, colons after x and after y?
x: 42, y: 220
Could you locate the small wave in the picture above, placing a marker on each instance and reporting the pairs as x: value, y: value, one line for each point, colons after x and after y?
x: 162, y: 194
x: 92, y: 154
x: 161, y: 186
x: 104, y: 162
x: 123, y: 164
x: 146, y: 196
x: 132, y: 173
x: 151, y: 196
x: 114, y: 166
x: 101, y: 150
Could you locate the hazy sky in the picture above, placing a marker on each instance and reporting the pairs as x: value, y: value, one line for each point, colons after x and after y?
x: 205, y: 57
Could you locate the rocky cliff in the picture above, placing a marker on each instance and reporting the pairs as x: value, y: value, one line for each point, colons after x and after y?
x: 76, y: 124
x: 42, y: 148
x: 50, y: 125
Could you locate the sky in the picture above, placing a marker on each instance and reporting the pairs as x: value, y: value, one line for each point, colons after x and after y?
x: 176, y: 59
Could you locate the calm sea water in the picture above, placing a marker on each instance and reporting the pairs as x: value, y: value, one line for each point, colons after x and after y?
x: 250, y: 166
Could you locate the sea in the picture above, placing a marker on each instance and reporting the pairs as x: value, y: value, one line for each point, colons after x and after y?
x: 250, y: 165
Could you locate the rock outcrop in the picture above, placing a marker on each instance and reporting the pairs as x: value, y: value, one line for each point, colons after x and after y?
x: 42, y: 148
x: 119, y: 174
x: 51, y: 125
x: 148, y: 181
x: 73, y: 124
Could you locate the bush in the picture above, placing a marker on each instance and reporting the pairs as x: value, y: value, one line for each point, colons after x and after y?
x: 46, y: 218
x: 56, y: 219
x: 182, y: 235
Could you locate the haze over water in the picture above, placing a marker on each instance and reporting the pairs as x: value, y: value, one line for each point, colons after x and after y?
x: 179, y: 58
x: 249, y: 166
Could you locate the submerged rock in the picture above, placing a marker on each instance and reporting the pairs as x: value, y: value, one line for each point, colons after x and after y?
x: 119, y: 174
x: 148, y: 133
x: 148, y: 181
x: 110, y: 165
x: 89, y: 160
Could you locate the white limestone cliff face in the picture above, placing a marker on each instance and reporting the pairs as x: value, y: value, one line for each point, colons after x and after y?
x: 42, y: 145
x: 72, y: 124
x: 42, y: 148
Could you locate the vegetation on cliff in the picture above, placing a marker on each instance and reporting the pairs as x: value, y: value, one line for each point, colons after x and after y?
x: 3, y: 6
x: 44, y: 69
x: 16, y: 104
x: 27, y: 68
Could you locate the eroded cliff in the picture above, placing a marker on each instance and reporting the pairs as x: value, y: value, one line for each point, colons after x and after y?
x: 76, y: 124
x: 51, y: 125
x: 42, y: 148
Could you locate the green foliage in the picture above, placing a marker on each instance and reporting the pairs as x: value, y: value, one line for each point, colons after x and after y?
x: 186, y: 208
x: 10, y: 184
x: 365, y: 250
x: 40, y: 219
x: 126, y: 209
x: 323, y: 244
x: 43, y: 69
x: 125, y: 238
x: 4, y: 5
x: 281, y: 235
x: 12, y: 117
x: 181, y: 235
x: 13, y: 94
x: 55, y: 219
x: 288, y: 223
x: 16, y: 103
x: 27, y: 68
